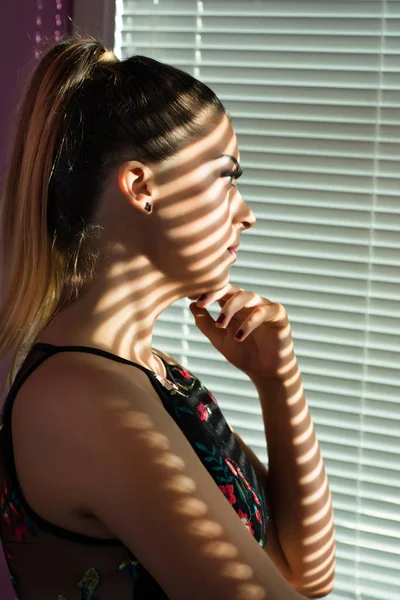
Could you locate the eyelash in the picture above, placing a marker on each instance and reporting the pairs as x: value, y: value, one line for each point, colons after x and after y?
x: 232, y: 174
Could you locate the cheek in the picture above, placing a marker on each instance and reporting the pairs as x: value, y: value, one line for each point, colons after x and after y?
x: 217, y: 198
x: 195, y: 226
x: 198, y: 215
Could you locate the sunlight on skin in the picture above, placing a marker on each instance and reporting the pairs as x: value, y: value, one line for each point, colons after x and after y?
x: 292, y: 380
x: 320, y: 552
x: 197, y: 226
x: 177, y: 483
x: 323, y: 565
x: 236, y: 570
x: 202, y: 264
x: 318, y: 516
x: 249, y: 591
x: 314, y: 473
x: 124, y: 292
x: 178, y: 210
x: 299, y: 418
x: 318, y: 494
x: 308, y: 456
x: 287, y: 368
x: 204, y: 528
x: 296, y: 397
x: 220, y: 550
x: 303, y: 437
x: 314, y: 503
x: 170, y: 470
x: 284, y: 333
x: 119, y: 268
x: 321, y: 579
x: 287, y: 351
x: 191, y: 507
x: 321, y: 533
x: 194, y: 510
x: 148, y: 261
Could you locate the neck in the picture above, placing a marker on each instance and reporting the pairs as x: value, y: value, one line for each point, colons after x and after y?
x: 118, y: 312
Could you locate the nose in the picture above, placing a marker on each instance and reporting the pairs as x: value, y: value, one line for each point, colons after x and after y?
x: 244, y: 214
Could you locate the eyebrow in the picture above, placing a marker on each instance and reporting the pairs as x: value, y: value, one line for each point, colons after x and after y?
x: 233, y: 159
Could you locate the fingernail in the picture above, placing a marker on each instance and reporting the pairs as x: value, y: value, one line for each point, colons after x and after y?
x: 203, y: 297
x: 221, y: 318
x: 239, y: 334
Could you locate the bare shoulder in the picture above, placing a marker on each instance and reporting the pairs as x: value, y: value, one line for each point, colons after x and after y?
x: 73, y: 380
x: 118, y: 452
x: 55, y: 410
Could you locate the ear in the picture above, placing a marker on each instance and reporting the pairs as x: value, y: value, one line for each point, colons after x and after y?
x: 136, y: 182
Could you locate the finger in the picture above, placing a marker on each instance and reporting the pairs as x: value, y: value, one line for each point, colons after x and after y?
x: 232, y: 306
x: 226, y: 292
x: 231, y: 309
x: 206, y: 325
x: 254, y: 320
x: 232, y: 291
x: 273, y: 314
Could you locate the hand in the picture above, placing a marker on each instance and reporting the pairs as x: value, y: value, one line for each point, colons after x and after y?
x: 265, y: 350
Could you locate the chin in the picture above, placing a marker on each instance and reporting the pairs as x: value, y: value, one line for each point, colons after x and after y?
x: 214, y: 286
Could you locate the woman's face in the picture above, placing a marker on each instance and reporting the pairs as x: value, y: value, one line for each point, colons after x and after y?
x: 198, y: 213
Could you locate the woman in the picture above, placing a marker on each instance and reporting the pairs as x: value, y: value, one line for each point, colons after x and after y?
x: 120, y: 476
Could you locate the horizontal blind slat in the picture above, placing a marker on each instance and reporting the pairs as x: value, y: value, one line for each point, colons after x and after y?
x: 321, y: 173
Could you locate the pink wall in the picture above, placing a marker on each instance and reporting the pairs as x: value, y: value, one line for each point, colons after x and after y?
x: 23, y: 23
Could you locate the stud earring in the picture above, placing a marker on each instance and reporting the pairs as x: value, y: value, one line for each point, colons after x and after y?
x: 148, y: 207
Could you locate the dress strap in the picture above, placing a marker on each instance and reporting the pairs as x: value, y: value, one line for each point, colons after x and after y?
x: 52, y: 349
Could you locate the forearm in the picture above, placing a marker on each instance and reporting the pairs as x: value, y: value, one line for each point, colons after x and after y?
x: 297, y: 485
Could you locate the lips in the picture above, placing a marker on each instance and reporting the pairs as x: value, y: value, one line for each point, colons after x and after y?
x: 233, y: 250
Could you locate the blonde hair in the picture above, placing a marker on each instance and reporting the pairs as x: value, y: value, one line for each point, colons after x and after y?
x: 83, y: 113
x: 33, y: 270
x: 108, y: 56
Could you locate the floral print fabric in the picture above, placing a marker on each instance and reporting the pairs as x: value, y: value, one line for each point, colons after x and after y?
x: 106, y: 569
x: 197, y: 413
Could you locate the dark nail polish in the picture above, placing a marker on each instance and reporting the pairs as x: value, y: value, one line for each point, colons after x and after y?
x: 239, y: 334
x: 221, y: 318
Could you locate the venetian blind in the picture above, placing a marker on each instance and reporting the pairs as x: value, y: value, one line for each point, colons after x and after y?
x: 314, y: 90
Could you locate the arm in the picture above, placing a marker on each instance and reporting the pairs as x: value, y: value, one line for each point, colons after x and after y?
x: 273, y: 547
x: 287, y: 539
x: 143, y: 481
x: 297, y: 487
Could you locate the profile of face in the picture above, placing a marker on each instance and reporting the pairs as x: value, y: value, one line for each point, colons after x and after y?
x: 197, y: 212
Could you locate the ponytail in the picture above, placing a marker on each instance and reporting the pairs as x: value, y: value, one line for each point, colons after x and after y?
x: 83, y: 114
x: 34, y: 271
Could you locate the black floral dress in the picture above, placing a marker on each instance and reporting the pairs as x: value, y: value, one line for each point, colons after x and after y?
x: 47, y: 562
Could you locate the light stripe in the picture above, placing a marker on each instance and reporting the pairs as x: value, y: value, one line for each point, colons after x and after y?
x: 301, y: 80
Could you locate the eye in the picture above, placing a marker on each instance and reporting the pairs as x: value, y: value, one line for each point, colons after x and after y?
x: 232, y: 175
